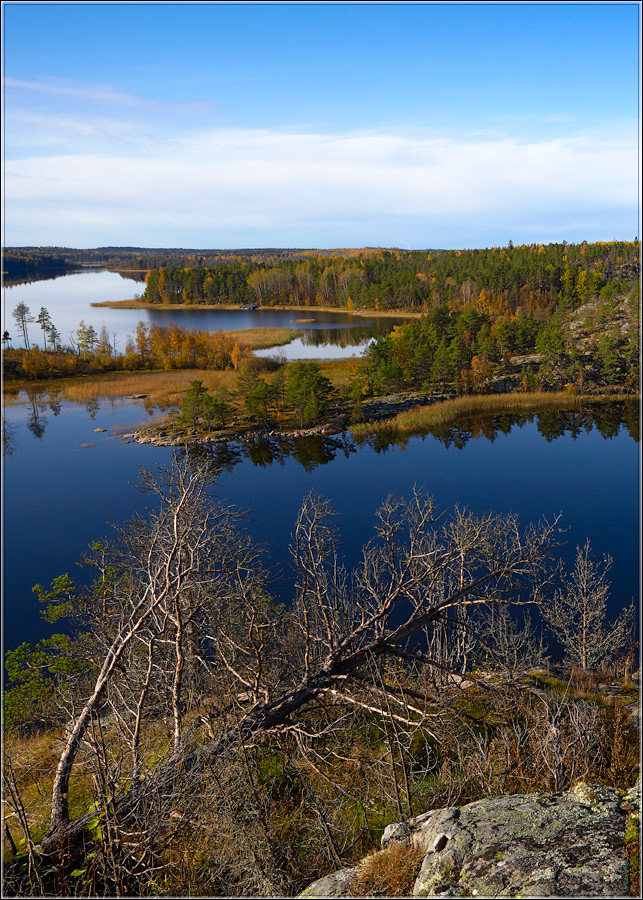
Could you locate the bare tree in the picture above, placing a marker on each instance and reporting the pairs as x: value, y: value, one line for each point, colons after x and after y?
x: 577, y: 614
x: 167, y: 561
x: 508, y: 642
x: 184, y: 633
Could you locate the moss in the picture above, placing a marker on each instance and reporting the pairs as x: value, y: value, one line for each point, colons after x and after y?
x: 633, y: 853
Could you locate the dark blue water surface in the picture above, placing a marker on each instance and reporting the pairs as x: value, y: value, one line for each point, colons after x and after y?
x: 59, y: 496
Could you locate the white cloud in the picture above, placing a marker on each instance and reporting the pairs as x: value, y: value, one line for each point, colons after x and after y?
x: 268, y: 185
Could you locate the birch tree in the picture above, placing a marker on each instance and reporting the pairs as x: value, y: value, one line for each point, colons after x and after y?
x: 187, y: 628
x: 577, y: 614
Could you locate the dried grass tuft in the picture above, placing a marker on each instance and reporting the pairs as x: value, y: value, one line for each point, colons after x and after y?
x: 387, y: 873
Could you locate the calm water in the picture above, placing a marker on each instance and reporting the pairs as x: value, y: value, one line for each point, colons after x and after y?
x: 68, y: 299
x: 60, y: 495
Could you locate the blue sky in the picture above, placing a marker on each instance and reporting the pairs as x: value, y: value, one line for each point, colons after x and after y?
x: 320, y: 125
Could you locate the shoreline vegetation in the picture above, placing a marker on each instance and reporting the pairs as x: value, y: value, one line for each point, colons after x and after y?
x: 420, y: 417
x: 456, y: 409
x: 399, y: 415
x: 527, y: 319
x: 231, y: 307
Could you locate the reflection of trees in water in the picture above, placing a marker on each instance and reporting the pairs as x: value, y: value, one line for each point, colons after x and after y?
x: 317, y: 450
x: 41, y: 400
x: 37, y: 422
x: 347, y: 336
x: 9, y: 444
x: 309, y: 452
x: 337, y: 337
x: 606, y: 418
x: 551, y: 424
x: 49, y: 399
x: 92, y: 406
x: 264, y: 452
x: 129, y: 275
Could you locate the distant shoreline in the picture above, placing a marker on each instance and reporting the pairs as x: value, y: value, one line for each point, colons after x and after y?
x: 366, y: 313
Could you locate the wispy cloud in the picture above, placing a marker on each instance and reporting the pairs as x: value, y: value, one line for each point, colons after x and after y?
x: 276, y: 186
x: 75, y: 90
x: 38, y: 108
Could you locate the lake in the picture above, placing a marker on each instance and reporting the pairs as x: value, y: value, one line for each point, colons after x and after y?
x: 64, y: 482
x: 68, y: 299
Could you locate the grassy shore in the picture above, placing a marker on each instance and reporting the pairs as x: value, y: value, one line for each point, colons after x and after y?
x: 261, y: 338
x: 161, y: 387
x: 165, y: 389
x: 447, y: 412
x: 142, y: 304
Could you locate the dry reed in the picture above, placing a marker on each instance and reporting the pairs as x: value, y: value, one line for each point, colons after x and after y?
x: 447, y: 412
x: 262, y: 338
x: 160, y: 388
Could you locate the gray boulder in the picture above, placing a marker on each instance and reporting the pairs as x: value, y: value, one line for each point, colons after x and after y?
x: 529, y: 845
x: 334, y: 885
x: 532, y: 845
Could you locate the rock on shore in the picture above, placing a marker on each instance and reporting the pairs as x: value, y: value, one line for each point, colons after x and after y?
x: 533, y: 845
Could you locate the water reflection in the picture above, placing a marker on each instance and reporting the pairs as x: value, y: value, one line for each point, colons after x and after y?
x: 349, y: 336
x: 127, y: 275
x: 41, y: 401
x: 264, y: 451
x: 317, y: 450
x: 9, y: 444
x: 606, y: 418
x: 56, y: 500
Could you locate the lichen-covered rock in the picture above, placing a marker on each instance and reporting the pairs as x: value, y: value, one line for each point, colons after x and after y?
x: 528, y: 845
x: 533, y: 845
x: 398, y: 832
x: 631, y: 802
x: 334, y: 885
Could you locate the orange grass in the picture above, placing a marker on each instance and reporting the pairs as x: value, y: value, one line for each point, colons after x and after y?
x: 446, y: 412
x: 161, y: 388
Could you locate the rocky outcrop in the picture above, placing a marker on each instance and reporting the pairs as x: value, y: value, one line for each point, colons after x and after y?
x: 533, y: 845
x: 373, y: 410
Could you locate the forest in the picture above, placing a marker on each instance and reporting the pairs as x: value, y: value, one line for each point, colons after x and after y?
x: 479, y: 308
x: 515, y: 318
x: 501, y: 280
x: 20, y: 263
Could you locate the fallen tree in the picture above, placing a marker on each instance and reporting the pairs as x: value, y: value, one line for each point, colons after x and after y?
x: 184, y: 640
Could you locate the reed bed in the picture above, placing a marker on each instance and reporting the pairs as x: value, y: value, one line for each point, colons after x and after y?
x: 162, y: 388
x: 339, y: 371
x: 447, y: 412
x: 263, y: 337
x: 144, y: 304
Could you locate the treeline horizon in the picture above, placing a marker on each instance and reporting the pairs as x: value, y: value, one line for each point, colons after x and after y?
x: 29, y: 261
x: 501, y: 280
x: 23, y: 263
